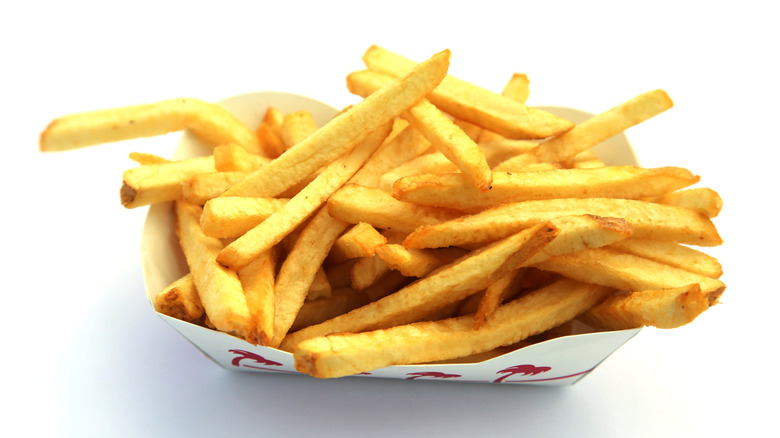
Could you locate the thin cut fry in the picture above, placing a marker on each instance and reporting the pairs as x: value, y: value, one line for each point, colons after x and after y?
x: 594, y: 130
x: 231, y: 157
x: 257, y: 279
x: 649, y: 220
x: 180, y: 300
x: 628, y: 182
x: 702, y: 199
x: 628, y: 272
x: 208, y: 121
x: 673, y: 254
x: 219, y: 289
x: 667, y: 308
x: 205, y: 186
x: 296, y: 126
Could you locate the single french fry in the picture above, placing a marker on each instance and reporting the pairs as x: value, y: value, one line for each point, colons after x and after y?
x: 667, y: 309
x: 233, y: 216
x: 628, y: 182
x: 269, y: 132
x: 474, y: 104
x: 231, y: 157
x: 146, y: 158
x: 594, y: 130
x: 649, y: 220
x: 208, y: 121
x: 257, y: 279
x: 205, y: 186
x: 494, y: 295
x: 673, y: 254
x: 161, y: 182
x: 702, y: 199
x: 416, y: 262
x: 299, y: 268
x: 219, y: 288
x: 272, y: 230
x: 447, y: 137
x: 447, y: 285
x: 628, y: 272
x: 180, y: 300
x: 355, y: 204
x: 343, y: 354
x: 342, y: 133
x: 296, y: 126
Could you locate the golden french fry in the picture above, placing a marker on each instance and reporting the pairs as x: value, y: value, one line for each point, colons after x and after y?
x: 447, y: 285
x: 445, y: 135
x: 494, y: 295
x: 628, y: 272
x: 273, y: 229
x: 594, y: 130
x: 300, y: 267
x: 667, y: 308
x: 586, y: 159
x: 355, y: 204
x: 257, y: 279
x: 161, y: 182
x: 231, y: 157
x: 338, y: 355
x: 180, y: 300
x: 702, y: 199
x: 320, y: 286
x: 146, y: 158
x: 416, y: 262
x: 269, y: 132
x: 219, y: 288
x: 673, y: 254
x: 649, y: 220
x: 296, y: 126
x: 342, y: 133
x: 474, y: 104
x: 233, y: 216
x: 628, y: 182
x: 208, y: 121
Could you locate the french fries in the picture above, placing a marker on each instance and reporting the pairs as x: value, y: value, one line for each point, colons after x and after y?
x: 433, y: 221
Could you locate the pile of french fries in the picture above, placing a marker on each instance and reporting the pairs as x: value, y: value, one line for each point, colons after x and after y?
x: 433, y: 220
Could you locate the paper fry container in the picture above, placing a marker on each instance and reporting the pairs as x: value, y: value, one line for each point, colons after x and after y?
x: 562, y: 360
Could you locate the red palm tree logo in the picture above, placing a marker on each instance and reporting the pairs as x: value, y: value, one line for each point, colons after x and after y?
x: 243, y: 354
x: 525, y: 370
x: 434, y: 374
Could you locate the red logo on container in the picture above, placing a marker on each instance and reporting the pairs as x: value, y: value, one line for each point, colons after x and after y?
x: 259, y: 360
x: 524, y: 370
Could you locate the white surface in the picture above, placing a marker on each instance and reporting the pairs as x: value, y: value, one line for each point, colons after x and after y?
x: 86, y: 356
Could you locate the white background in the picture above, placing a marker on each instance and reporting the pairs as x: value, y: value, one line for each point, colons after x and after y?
x: 83, y: 353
